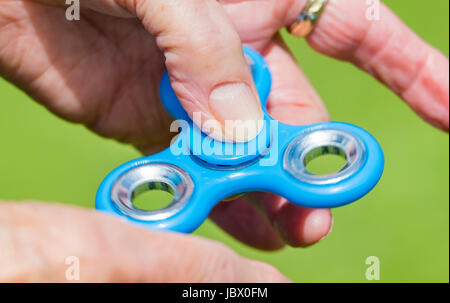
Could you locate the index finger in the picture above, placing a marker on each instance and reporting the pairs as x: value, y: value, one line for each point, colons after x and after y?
x: 384, y: 46
x: 371, y: 37
x: 37, y: 237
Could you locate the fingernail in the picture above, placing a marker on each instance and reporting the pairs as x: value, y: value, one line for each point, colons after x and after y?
x: 237, y: 108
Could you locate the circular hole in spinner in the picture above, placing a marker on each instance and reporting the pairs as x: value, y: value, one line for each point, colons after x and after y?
x: 344, y: 151
x: 325, y: 160
x: 152, y: 196
x: 136, y: 191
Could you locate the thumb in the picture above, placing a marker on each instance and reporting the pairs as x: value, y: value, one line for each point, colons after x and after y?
x: 206, y: 65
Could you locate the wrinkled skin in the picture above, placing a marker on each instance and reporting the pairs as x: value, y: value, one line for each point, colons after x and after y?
x: 103, y: 71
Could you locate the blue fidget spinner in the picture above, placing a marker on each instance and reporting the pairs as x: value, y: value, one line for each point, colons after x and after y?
x: 200, y: 172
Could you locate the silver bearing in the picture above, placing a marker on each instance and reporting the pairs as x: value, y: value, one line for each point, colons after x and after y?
x: 161, y: 176
x: 309, y: 146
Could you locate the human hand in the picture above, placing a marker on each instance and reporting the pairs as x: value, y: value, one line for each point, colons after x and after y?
x: 386, y: 48
x: 292, y: 100
x: 37, y: 239
x: 104, y: 71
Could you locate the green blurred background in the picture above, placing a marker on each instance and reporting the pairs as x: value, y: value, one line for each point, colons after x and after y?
x: 404, y: 221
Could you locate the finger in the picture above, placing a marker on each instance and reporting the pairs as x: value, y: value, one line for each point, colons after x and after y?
x: 347, y: 30
x: 297, y: 226
x: 292, y: 100
x: 247, y: 224
x: 267, y: 221
x: 267, y: 18
x: 38, y: 238
x: 391, y: 52
x: 206, y: 64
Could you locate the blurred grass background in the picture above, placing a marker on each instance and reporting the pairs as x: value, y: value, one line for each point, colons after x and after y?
x: 404, y: 221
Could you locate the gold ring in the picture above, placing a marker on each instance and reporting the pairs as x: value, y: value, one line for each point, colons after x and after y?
x: 307, y: 19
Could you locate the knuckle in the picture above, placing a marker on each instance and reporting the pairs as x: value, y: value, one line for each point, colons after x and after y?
x: 219, y: 40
